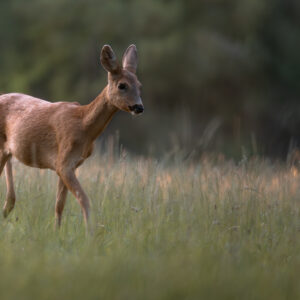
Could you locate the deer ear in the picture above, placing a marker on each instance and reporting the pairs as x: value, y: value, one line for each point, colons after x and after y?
x: 130, y: 59
x: 109, y: 60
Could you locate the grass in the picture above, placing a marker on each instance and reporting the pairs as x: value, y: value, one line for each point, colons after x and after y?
x: 160, y: 231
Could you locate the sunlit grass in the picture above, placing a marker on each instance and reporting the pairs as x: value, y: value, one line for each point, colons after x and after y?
x: 159, y: 231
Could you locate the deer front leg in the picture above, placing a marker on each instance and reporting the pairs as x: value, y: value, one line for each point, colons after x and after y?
x: 61, y: 197
x: 69, y: 179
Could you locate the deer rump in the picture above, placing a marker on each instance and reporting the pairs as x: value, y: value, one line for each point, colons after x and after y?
x: 30, y: 128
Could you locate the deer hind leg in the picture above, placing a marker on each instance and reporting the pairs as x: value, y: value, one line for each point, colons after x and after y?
x: 3, y: 160
x: 72, y: 183
x: 10, y: 192
x: 61, y: 197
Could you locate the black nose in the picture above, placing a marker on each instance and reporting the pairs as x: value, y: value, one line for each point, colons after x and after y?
x: 137, y: 108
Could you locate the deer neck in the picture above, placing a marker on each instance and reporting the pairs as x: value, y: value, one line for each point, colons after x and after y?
x: 98, y: 114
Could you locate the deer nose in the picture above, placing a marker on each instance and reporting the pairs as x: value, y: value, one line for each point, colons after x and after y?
x: 137, y: 108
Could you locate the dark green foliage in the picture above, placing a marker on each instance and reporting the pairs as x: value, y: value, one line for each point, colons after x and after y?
x: 234, y: 62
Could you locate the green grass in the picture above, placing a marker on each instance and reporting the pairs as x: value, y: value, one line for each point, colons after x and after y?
x: 160, y: 231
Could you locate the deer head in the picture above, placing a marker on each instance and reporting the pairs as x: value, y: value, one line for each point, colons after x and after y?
x: 123, y: 86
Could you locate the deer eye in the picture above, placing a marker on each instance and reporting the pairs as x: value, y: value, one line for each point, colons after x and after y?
x: 122, y: 86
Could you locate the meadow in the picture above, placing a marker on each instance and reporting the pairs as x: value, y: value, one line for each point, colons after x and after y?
x: 212, y: 229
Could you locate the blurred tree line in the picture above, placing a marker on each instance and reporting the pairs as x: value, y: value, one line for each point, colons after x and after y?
x: 217, y: 75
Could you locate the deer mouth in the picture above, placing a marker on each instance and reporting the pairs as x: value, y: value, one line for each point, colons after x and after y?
x: 136, y: 109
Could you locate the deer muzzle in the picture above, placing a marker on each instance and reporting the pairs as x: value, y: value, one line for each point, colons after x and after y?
x: 136, y: 109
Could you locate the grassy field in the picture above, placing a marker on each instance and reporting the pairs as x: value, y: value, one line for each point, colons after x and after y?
x: 208, y: 230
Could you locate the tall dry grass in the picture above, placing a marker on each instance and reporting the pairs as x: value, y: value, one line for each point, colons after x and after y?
x: 206, y: 230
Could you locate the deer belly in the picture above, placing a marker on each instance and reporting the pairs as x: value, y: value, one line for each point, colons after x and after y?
x: 33, y: 153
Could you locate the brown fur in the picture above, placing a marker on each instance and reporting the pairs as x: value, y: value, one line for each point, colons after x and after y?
x: 60, y: 136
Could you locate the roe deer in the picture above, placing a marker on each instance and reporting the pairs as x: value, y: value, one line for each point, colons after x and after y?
x: 60, y: 136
